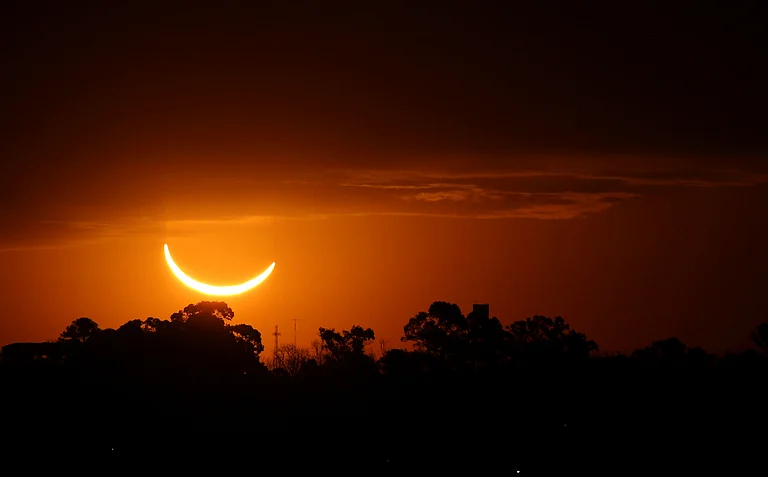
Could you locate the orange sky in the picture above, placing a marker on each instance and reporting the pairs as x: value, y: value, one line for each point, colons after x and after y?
x: 545, y: 162
x: 657, y: 260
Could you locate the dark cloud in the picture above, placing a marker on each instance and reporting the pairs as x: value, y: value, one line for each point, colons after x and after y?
x: 510, y: 194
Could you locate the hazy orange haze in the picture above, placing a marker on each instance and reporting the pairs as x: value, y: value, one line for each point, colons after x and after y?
x: 627, y: 259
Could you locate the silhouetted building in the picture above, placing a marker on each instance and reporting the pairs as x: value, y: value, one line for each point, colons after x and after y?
x: 482, y: 309
x: 20, y: 353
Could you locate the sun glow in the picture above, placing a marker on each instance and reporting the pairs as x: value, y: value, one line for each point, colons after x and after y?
x: 206, y: 289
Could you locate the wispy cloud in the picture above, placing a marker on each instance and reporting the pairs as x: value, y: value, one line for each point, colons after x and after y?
x: 453, y: 195
x: 528, y: 194
x: 529, y: 206
x: 62, y: 234
x: 562, y: 206
x: 416, y: 178
x: 450, y: 194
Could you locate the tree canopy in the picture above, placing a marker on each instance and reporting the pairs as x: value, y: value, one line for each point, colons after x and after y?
x: 81, y: 330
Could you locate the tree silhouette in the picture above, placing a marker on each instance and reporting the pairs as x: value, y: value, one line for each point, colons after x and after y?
x: 151, y: 324
x: 248, y: 336
x: 348, y: 342
x: 81, y: 329
x: 439, y: 331
x: 547, y: 336
x: 456, y: 341
x: 131, y: 328
x: 485, y: 340
x: 202, y: 368
x: 345, y: 360
x: 217, y: 309
x: 292, y: 358
x: 670, y: 348
x: 317, y: 352
x: 198, y: 345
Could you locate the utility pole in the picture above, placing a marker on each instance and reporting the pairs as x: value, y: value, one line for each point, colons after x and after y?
x: 294, y: 332
x: 276, y: 334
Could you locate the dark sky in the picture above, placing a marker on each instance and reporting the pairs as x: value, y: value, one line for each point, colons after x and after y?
x: 610, y: 78
x: 182, y: 111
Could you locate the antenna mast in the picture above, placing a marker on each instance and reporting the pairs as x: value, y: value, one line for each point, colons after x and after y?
x: 294, y: 332
x: 276, y: 334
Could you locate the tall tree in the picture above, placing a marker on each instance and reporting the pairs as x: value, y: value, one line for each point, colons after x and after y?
x: 81, y: 329
x: 440, y: 331
x: 454, y: 340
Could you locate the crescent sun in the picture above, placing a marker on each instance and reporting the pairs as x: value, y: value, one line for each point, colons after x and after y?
x: 206, y: 289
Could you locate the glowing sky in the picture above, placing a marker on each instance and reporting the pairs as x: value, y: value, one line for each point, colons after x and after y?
x: 610, y: 174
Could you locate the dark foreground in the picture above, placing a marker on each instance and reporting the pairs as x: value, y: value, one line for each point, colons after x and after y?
x: 473, y: 397
x: 580, y: 422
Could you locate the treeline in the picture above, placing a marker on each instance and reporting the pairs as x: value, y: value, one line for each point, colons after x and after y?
x: 443, y: 340
x: 465, y: 374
